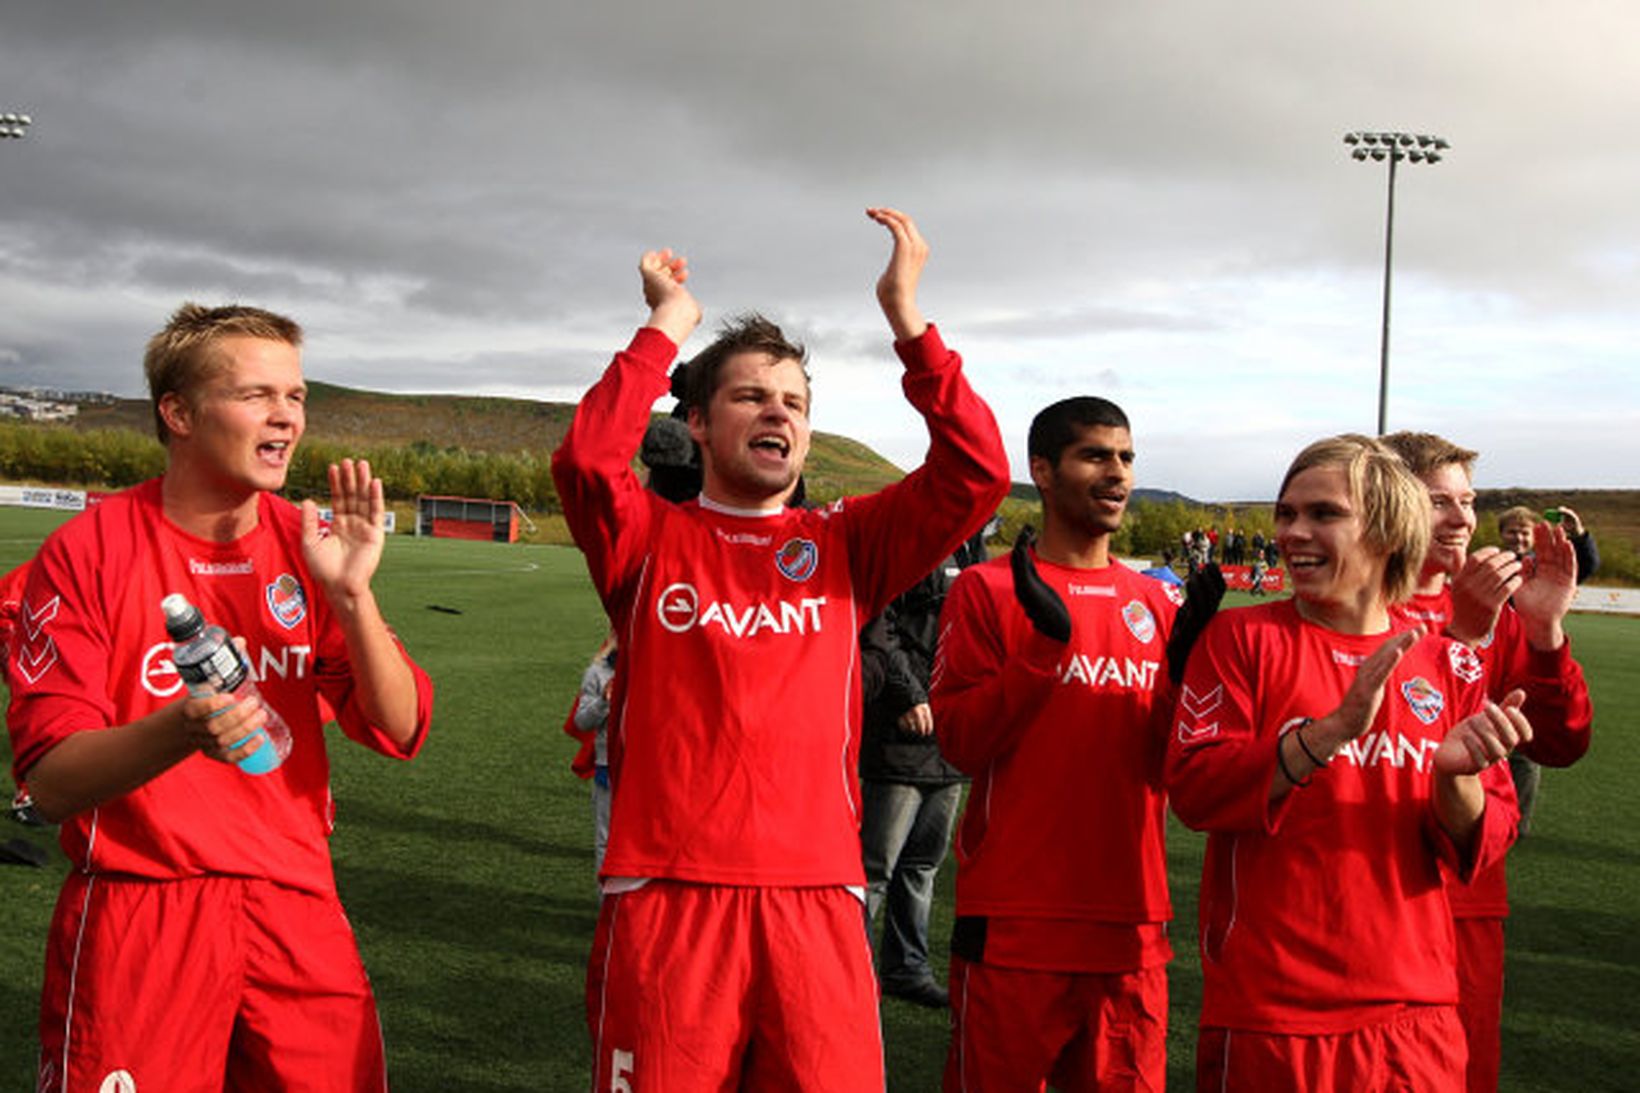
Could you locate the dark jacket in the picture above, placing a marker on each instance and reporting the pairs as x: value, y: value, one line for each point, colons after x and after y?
x: 896, y: 656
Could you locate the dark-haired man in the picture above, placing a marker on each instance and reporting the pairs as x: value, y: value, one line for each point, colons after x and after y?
x: 731, y: 948
x: 1051, y: 689
x: 198, y: 942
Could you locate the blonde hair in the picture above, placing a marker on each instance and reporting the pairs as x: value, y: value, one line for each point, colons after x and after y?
x: 1518, y: 514
x: 1393, y: 504
x: 182, y: 355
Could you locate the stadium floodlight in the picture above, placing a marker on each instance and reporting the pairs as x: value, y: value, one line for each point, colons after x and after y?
x: 1394, y: 147
x: 14, y: 126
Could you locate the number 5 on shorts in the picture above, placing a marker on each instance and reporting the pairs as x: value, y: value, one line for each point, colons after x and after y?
x: 620, y: 1065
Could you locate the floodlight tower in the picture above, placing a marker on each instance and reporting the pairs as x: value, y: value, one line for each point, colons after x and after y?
x: 1393, y: 148
x: 14, y: 126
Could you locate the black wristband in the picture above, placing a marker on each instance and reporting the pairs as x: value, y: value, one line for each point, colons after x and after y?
x: 1308, y: 754
x: 1281, y: 760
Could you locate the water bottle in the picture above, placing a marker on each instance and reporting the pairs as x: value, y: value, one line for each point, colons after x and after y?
x: 210, y: 663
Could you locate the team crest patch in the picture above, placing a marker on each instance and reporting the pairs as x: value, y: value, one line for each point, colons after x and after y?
x: 1140, y: 622
x: 1172, y: 592
x: 1465, y: 664
x: 286, y: 600
x: 798, y: 559
x: 1426, y: 702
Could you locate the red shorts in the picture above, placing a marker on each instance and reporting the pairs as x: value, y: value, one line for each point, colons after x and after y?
x: 204, y: 984
x: 1480, y: 997
x: 707, y: 987
x: 1419, y: 1051
x: 1013, y: 1029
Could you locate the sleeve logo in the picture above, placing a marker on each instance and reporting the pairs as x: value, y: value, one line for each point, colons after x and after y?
x: 1197, y: 709
x: 1465, y: 664
x: 38, y: 652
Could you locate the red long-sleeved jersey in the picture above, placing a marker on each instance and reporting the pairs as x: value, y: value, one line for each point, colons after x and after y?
x: 1327, y: 910
x: 1557, y: 704
x: 91, y: 652
x: 734, y: 750
x: 1064, y: 830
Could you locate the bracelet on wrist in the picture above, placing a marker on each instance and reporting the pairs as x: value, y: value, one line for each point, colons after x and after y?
x: 1304, y: 745
x: 1281, y: 760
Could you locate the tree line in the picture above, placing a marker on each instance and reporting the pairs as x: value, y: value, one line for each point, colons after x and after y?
x: 116, y: 458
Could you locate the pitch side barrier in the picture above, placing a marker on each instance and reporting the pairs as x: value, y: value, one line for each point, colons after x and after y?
x: 1237, y: 577
x: 42, y: 497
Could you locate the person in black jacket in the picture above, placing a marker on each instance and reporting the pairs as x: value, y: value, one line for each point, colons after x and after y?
x: 910, y: 794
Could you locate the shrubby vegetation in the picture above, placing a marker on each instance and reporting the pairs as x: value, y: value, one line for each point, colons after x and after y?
x: 116, y: 458
x: 1150, y: 526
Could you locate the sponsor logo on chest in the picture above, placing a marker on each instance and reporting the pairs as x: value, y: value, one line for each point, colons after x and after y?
x: 159, y: 675
x: 1110, y: 673
x: 679, y: 608
x: 1383, y: 749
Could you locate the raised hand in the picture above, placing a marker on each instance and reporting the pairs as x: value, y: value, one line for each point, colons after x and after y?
x: 1041, y: 603
x: 344, y: 557
x: 1545, y: 597
x: 1360, y: 703
x: 673, y: 309
x: 1480, y: 589
x: 1483, y: 738
x: 897, y: 287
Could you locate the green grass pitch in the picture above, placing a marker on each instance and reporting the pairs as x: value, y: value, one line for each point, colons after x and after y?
x: 467, y: 873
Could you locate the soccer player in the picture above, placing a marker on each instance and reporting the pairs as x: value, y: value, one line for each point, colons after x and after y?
x: 1512, y: 618
x: 1051, y: 690
x: 1339, y: 759
x: 731, y: 948
x: 198, y: 942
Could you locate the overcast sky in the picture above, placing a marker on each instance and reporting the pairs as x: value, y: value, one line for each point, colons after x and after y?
x: 1147, y: 201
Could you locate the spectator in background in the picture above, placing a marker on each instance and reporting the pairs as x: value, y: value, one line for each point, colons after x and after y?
x: 1515, y: 530
x: 909, y: 793
x: 592, y: 716
x: 1341, y: 760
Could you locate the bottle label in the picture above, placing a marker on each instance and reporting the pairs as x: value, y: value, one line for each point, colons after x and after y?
x: 221, y: 672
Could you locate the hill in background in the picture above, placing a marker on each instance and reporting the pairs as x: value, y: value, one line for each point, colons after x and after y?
x: 837, y: 464
x: 348, y: 416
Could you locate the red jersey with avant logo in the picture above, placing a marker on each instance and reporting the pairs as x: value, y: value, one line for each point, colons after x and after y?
x: 1557, y: 704
x: 1325, y: 911
x: 92, y: 652
x: 1066, y: 821
x: 734, y: 749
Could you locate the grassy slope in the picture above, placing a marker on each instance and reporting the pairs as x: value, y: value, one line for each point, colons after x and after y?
x: 837, y: 465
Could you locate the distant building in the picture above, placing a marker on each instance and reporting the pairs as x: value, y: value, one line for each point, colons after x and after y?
x: 33, y: 408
